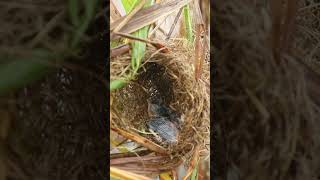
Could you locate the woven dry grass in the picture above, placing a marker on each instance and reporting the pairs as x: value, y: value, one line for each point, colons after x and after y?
x: 46, y: 123
x: 266, y: 118
x: 27, y: 25
x: 179, y: 90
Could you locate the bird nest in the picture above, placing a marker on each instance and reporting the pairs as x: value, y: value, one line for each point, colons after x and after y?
x: 51, y: 128
x: 171, y: 76
x: 267, y: 120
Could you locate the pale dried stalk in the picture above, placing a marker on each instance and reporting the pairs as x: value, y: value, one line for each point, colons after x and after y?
x: 141, y: 140
x: 134, y: 159
x: 200, y: 49
x: 174, y: 23
x: 125, y: 175
x: 129, y: 16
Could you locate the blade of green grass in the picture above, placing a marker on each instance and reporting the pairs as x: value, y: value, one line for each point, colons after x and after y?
x: 129, y: 4
x: 90, y: 8
x: 73, y: 6
x: 18, y: 72
x: 188, y: 23
x: 113, y: 178
x: 139, y: 48
x: 195, y: 172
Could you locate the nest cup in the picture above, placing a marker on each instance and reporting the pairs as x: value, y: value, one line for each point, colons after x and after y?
x: 264, y: 112
x: 172, y: 76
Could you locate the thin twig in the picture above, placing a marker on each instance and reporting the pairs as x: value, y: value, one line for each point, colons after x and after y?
x: 134, y: 37
x: 155, y: 44
x: 157, y: 27
x: 174, y: 24
x: 117, y: 51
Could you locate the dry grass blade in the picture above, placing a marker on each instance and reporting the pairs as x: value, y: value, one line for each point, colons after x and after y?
x: 129, y: 16
x: 114, y: 12
x: 129, y: 154
x: 110, y: 114
x: 141, y: 140
x: 117, y: 51
x: 199, y: 41
x: 126, y: 160
x: 199, y: 51
x: 149, y: 167
x: 50, y: 25
x: 125, y: 175
x: 156, y: 28
x: 174, y: 23
x: 149, y: 15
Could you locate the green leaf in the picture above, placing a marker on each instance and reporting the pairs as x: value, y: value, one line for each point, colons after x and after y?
x: 17, y: 72
x: 113, y: 178
x: 90, y: 8
x: 188, y: 23
x: 129, y: 4
x: 139, y: 48
x: 117, y: 84
x: 195, y: 172
x: 73, y: 11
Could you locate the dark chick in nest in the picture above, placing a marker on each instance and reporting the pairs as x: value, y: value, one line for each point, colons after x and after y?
x: 167, y: 131
x: 164, y: 121
x: 156, y: 108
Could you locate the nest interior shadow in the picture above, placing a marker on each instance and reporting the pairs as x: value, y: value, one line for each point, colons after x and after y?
x: 152, y: 80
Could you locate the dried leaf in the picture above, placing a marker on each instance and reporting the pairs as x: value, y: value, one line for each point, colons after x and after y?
x: 130, y: 15
x: 149, y: 15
